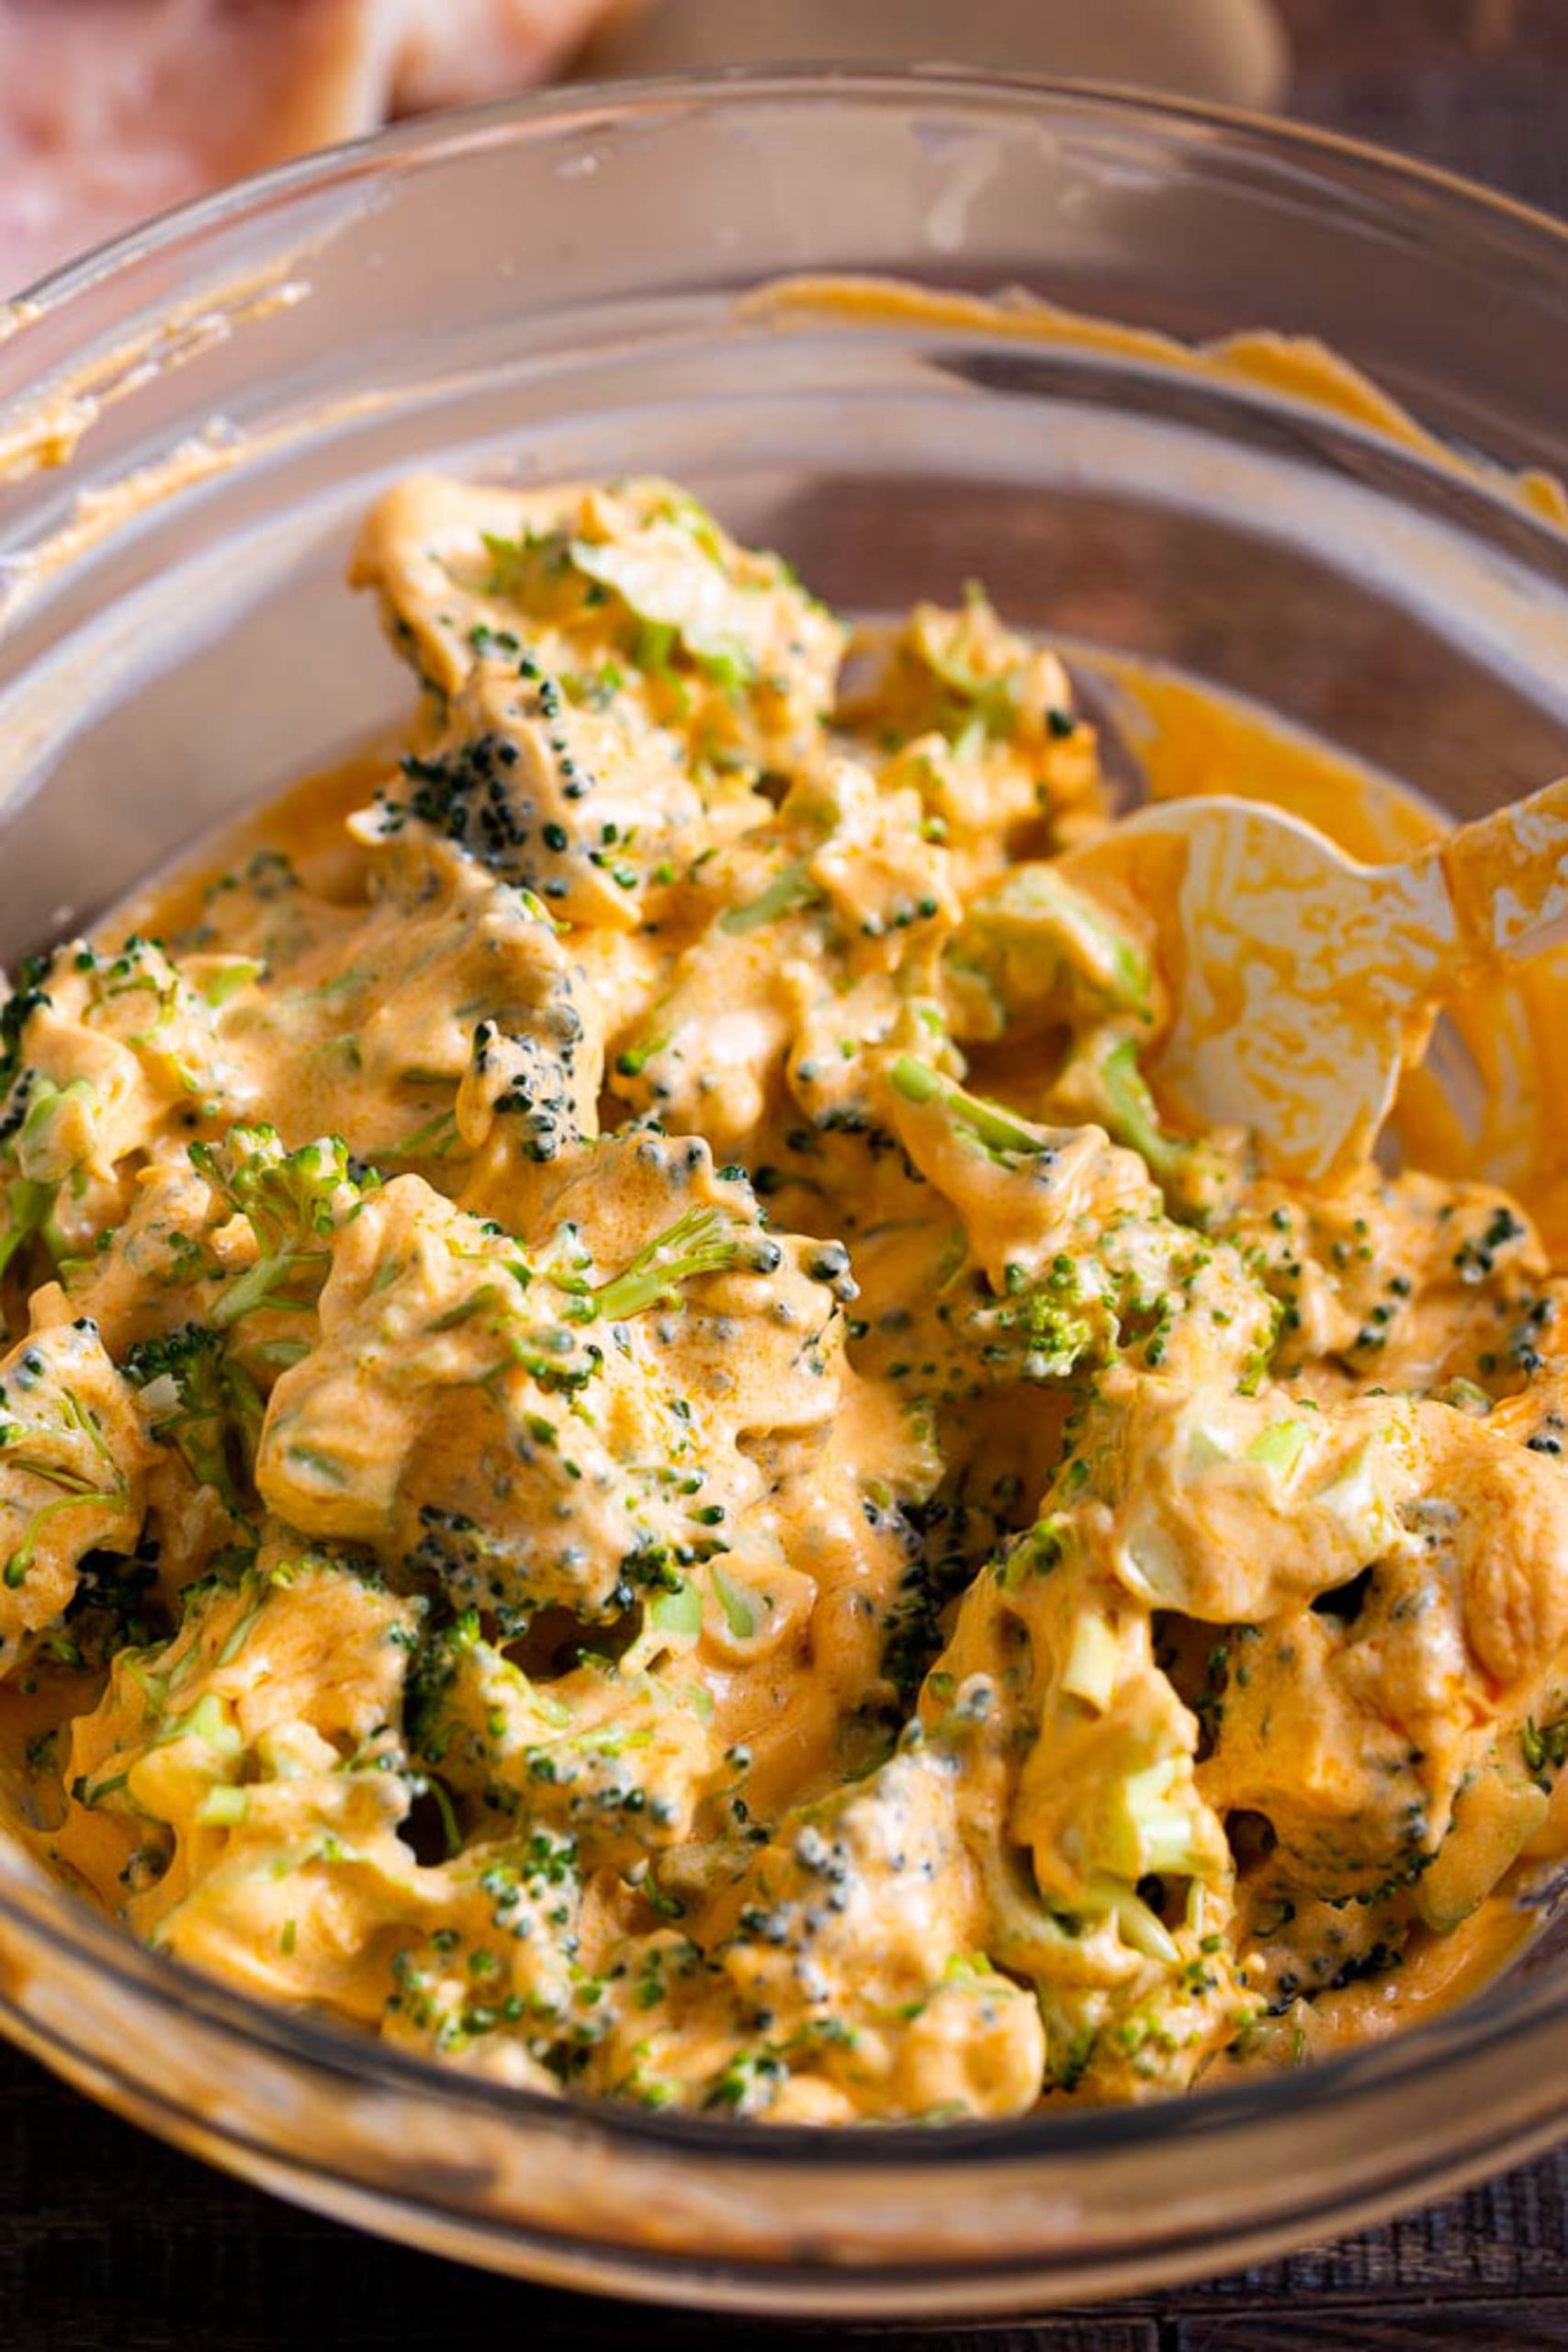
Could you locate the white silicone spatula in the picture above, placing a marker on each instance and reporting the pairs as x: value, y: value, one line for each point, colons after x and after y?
x: 1300, y: 982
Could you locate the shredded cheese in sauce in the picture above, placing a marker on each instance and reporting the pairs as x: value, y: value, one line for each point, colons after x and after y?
x: 632, y: 1453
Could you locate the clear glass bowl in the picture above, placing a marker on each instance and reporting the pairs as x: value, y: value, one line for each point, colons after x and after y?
x: 191, y: 422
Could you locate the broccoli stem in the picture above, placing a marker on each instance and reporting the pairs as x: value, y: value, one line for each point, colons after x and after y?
x: 29, y: 1207
x: 21, y: 1559
x: 790, y: 889
x: 76, y: 1485
x: 700, y: 1242
x: 265, y: 1284
x: 212, y: 1393
x: 1130, y: 1115
x: 994, y: 1129
x: 434, y: 1140
x: 1141, y: 1928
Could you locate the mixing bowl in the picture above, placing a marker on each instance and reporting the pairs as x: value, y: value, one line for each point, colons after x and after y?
x: 189, y: 424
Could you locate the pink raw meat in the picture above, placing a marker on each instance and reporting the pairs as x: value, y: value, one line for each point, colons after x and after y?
x: 114, y: 109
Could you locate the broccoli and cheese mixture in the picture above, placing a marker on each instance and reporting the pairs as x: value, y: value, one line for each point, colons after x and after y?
x: 631, y: 1455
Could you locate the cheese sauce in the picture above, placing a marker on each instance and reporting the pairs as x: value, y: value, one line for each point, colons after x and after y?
x: 631, y: 1452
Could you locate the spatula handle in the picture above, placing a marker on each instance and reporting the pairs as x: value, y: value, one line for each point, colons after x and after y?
x: 1507, y: 874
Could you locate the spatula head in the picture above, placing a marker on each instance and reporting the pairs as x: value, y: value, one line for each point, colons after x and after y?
x: 1300, y: 983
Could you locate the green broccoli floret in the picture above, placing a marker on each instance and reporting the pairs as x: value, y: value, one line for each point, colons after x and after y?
x: 1144, y: 1829
x: 528, y: 567
x: 464, y: 794
x: 534, y: 1097
x: 1141, y: 1821
x: 202, y: 1400
x: 1044, y: 1330
x: 671, y: 608
x: 56, y: 1128
x: 465, y: 1563
x: 27, y: 995
x: 139, y: 966
x: 293, y: 1201
x: 433, y: 1668
x: 967, y: 701
x: 115, y: 1607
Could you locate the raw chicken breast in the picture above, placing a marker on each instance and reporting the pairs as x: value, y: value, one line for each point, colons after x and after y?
x: 115, y: 109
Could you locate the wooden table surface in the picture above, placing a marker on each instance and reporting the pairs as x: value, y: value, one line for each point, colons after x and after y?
x: 110, y: 2243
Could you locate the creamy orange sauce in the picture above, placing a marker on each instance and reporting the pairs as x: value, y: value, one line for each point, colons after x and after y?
x: 631, y: 1453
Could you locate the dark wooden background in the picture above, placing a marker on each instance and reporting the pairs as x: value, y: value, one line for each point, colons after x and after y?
x: 110, y: 2243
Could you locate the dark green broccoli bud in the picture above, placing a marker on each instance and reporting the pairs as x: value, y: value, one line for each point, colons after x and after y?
x: 465, y: 794
x: 203, y: 1402
x: 115, y: 1607
x: 27, y: 995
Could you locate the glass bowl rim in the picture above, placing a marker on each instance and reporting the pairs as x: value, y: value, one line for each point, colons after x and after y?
x: 451, y: 130
x: 47, y: 1910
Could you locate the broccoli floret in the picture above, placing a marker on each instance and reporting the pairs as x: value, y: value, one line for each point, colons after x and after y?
x: 203, y: 1401
x: 461, y: 1560
x: 533, y: 1092
x: 293, y: 1201
x: 671, y: 608
x: 966, y: 696
x: 948, y: 1541
x: 139, y: 966
x: 27, y: 995
x: 1142, y: 1830
x: 433, y: 1668
x: 464, y: 794
x: 115, y: 1607
x: 1044, y: 1330
x: 1138, y: 1817
x: 674, y: 609
x: 56, y: 1130
x: 530, y: 569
